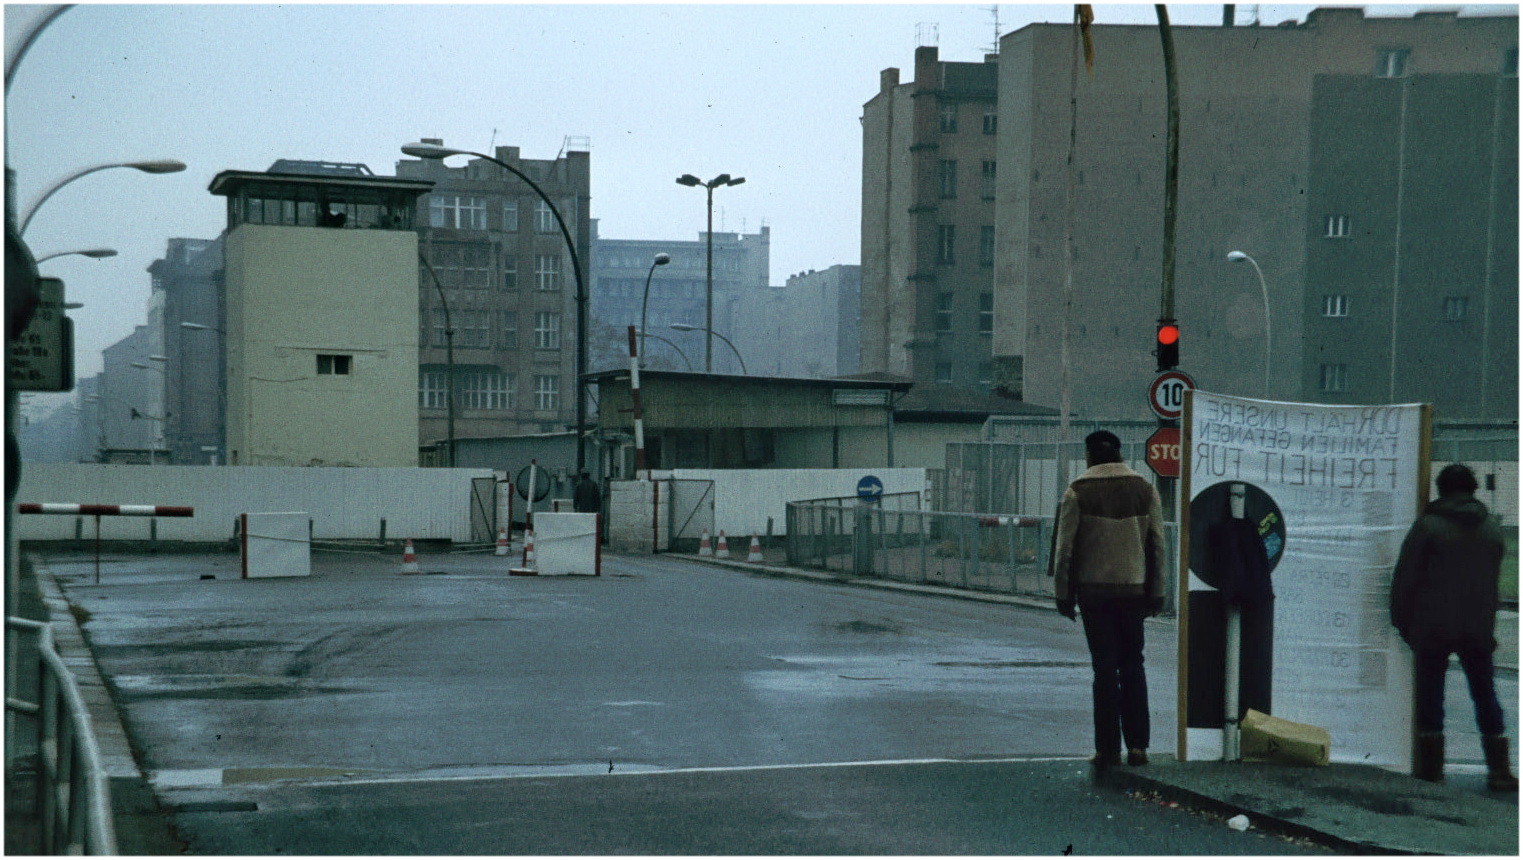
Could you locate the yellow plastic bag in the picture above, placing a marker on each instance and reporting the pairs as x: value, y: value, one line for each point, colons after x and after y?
x: 1266, y: 738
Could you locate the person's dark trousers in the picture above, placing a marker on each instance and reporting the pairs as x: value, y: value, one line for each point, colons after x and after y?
x: 1113, y: 627
x: 1432, y: 665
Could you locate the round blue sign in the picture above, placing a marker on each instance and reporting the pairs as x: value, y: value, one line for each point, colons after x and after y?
x: 869, y: 488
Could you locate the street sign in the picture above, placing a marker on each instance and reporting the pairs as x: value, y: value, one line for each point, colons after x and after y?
x: 42, y: 359
x: 1163, y: 452
x: 1167, y: 393
x: 870, y: 488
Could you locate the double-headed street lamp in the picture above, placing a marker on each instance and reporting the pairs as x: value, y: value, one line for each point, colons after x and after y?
x: 163, y: 165
x: 1238, y: 257
x: 686, y: 327
x: 668, y: 342
x: 435, y: 151
x: 660, y: 260
x: 719, y: 181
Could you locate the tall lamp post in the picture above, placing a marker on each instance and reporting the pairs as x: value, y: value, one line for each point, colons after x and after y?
x: 449, y: 361
x: 668, y: 342
x: 1238, y: 257
x: 719, y: 181
x: 159, y: 441
x: 686, y: 327
x: 92, y: 253
x: 434, y: 151
x: 660, y: 260
x: 163, y: 165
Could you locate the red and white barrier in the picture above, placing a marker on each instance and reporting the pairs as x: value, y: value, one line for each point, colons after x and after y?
x: 107, y: 510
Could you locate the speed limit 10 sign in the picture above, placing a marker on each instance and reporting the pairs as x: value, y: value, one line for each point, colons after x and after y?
x: 1167, y: 393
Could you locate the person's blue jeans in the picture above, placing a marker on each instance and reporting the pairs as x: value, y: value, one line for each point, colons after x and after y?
x: 1432, y: 664
x: 1113, y: 627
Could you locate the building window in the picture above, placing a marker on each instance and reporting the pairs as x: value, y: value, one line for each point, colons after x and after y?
x: 947, y: 179
x: 431, y: 389
x: 1510, y: 63
x: 509, y: 272
x: 943, y: 313
x: 986, y: 313
x: 334, y: 365
x: 1391, y: 63
x: 475, y: 330
x: 1335, y: 306
x: 441, y: 330
x: 547, y: 330
x: 461, y: 264
x: 987, y: 175
x: 945, y: 244
x: 547, y: 272
x: 544, y: 219
x: 485, y: 389
x: 547, y: 392
x: 948, y: 118
x: 510, y: 216
x: 507, y: 332
x: 457, y: 212
x: 991, y: 122
x: 1333, y: 378
x: 944, y: 371
x: 986, y: 373
x: 1456, y: 307
x: 1336, y: 227
x: 986, y: 246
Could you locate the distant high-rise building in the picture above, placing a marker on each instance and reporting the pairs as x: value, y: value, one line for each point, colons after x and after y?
x: 187, y: 288
x: 807, y: 327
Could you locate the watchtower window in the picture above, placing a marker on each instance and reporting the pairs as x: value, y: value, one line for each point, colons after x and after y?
x: 334, y: 365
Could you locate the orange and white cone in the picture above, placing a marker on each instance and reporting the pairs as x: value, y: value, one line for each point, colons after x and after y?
x: 755, y: 555
x: 724, y: 546
x: 529, y: 568
x: 502, y: 542
x: 409, y: 558
x: 705, y: 548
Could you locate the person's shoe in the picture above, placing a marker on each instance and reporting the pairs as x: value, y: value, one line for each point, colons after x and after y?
x: 1428, y: 764
x: 1101, y: 762
x: 1136, y: 758
x: 1499, y: 775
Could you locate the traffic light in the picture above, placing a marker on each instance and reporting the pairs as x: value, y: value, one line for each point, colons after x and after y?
x: 1168, y: 346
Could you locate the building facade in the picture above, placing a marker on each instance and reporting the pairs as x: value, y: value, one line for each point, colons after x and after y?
x: 187, y: 289
x: 321, y: 319
x: 510, y: 290
x: 928, y: 223
x: 806, y: 328
x: 678, y: 294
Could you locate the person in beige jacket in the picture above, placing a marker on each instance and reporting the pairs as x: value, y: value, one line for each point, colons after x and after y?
x: 1108, y: 564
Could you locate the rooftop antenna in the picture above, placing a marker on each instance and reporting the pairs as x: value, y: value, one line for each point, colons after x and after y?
x: 494, y: 140
x: 578, y: 142
x: 1254, y: 11
x: 927, y: 35
x: 994, y: 11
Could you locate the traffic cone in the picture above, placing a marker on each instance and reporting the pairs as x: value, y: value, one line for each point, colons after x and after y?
x: 529, y: 568
x: 705, y: 548
x: 755, y: 555
x: 409, y: 558
x: 502, y: 542
x: 724, y: 547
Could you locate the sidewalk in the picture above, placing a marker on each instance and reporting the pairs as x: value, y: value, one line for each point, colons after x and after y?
x: 1356, y: 809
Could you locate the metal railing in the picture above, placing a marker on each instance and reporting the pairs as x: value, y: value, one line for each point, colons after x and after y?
x: 73, y: 797
x: 980, y: 552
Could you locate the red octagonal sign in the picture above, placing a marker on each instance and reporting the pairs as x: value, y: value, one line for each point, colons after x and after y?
x: 1163, y: 452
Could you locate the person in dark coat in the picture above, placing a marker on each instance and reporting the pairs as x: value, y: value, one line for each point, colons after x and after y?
x: 1444, y: 601
x: 587, y: 498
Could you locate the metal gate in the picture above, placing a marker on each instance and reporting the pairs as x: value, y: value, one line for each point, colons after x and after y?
x: 690, y: 512
x: 483, y: 510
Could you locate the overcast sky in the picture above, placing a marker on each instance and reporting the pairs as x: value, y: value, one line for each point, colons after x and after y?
x: 769, y: 92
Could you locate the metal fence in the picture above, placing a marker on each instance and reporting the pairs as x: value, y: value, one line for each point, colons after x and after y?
x: 73, y: 800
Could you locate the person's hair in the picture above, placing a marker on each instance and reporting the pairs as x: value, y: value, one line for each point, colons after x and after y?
x: 1102, y: 446
x: 1456, y: 478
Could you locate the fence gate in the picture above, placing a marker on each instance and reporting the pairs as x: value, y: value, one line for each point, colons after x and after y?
x: 691, y: 510
x: 483, y: 510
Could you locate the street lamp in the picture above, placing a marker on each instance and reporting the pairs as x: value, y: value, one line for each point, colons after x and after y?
x: 163, y: 165
x: 669, y: 342
x: 1238, y: 257
x: 435, y: 151
x: 660, y: 260
x: 692, y: 181
x: 686, y: 327
x: 93, y: 253
x: 449, y: 361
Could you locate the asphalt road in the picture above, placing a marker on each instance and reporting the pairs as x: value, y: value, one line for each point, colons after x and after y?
x: 665, y: 707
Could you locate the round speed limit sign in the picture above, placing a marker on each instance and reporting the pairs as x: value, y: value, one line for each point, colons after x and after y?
x: 1167, y: 393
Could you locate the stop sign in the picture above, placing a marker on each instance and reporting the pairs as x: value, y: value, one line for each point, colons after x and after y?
x: 1163, y: 452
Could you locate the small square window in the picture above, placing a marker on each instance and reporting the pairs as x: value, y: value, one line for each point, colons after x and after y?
x: 944, y: 371
x: 333, y: 365
x: 1391, y: 63
x: 1336, y: 226
x: 1335, y: 306
x: 948, y: 118
x: 944, y: 313
x: 986, y: 313
x: 1333, y: 378
x: 1456, y: 308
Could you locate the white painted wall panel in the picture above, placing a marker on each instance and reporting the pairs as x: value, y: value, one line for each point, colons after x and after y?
x: 745, y: 498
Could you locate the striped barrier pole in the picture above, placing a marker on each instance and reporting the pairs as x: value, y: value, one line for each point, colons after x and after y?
x: 99, y: 511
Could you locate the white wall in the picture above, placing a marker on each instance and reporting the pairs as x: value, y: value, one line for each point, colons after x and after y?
x: 343, y: 503
x: 745, y: 498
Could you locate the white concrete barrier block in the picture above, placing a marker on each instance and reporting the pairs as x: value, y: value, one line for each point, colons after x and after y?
x: 567, y: 544
x: 276, y: 544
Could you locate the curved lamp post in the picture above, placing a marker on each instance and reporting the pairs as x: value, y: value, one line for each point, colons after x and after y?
x: 719, y: 181
x: 163, y: 165
x: 660, y: 260
x: 1238, y: 257
x: 686, y: 327
x: 669, y: 342
x: 92, y: 253
x: 449, y: 361
x: 434, y: 151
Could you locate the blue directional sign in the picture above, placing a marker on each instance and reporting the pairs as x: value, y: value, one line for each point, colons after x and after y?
x: 870, y: 488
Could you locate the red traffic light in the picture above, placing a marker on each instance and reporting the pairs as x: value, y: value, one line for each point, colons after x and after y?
x: 1168, y: 346
x: 1168, y: 335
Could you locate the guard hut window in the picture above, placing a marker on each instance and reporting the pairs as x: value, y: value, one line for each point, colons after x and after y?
x: 1391, y: 63
x: 1335, y: 306
x: 333, y: 365
x: 1336, y: 226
